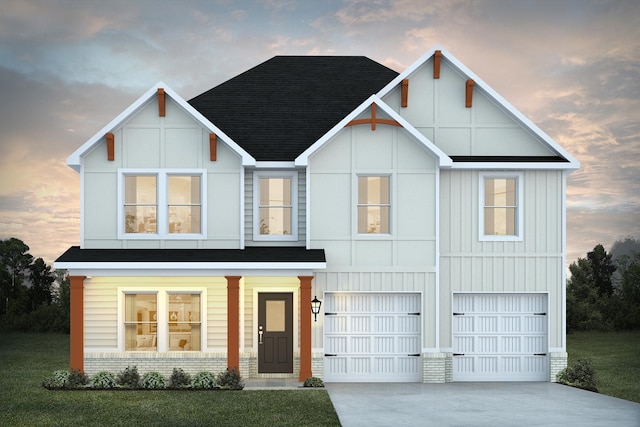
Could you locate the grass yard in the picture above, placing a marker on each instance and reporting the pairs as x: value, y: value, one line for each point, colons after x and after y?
x: 26, y: 359
x: 615, y: 357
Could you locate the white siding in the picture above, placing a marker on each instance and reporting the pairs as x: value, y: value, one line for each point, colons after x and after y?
x: 175, y: 141
x: 436, y: 107
x: 532, y: 265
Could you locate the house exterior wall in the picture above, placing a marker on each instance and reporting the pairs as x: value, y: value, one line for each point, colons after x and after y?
x: 436, y: 107
x: 533, y: 264
x: 405, y: 259
x: 176, y: 142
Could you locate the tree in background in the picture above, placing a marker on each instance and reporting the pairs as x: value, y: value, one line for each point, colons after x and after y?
x: 27, y: 292
x: 603, y: 291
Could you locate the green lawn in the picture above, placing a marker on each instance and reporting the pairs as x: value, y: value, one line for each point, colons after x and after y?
x: 26, y: 359
x: 615, y: 357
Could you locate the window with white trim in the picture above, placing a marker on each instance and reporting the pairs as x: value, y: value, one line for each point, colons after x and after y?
x: 275, y: 205
x: 374, y: 204
x: 161, y: 204
x: 177, y: 326
x: 500, y: 206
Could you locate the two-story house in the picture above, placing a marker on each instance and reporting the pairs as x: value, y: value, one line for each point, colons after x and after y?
x: 422, y: 210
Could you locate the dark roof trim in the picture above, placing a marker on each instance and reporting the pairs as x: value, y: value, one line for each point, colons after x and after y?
x: 509, y: 159
x: 291, y: 254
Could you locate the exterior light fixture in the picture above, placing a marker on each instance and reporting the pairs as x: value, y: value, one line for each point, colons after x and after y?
x: 315, y: 308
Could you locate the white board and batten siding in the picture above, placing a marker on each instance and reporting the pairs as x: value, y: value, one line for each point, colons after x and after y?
x: 372, y: 337
x: 500, y: 337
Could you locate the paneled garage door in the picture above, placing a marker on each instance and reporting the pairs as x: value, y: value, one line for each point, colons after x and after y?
x: 372, y: 337
x: 500, y: 337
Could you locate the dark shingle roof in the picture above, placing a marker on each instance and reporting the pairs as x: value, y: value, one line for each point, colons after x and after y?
x: 279, y: 108
x: 291, y: 254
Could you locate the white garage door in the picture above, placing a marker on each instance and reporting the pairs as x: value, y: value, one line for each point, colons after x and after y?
x: 500, y: 337
x: 372, y: 337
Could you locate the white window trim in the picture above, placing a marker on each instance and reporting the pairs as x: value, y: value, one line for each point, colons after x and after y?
x: 374, y: 236
x: 519, y: 207
x: 162, y: 330
x: 162, y: 200
x: 293, y: 175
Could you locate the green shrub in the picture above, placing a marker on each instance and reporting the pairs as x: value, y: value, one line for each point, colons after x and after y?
x: 204, y: 380
x: 103, y: 380
x: 77, y: 378
x: 59, y: 379
x: 230, y: 380
x: 129, y: 377
x: 153, y: 380
x: 581, y: 375
x: 179, y: 379
x: 313, y: 382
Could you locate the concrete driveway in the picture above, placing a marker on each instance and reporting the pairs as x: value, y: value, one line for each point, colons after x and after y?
x: 478, y: 404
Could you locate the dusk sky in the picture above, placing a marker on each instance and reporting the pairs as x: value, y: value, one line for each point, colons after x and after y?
x: 67, y: 68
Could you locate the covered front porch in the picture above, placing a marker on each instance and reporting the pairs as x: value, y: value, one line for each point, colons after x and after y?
x: 255, y: 307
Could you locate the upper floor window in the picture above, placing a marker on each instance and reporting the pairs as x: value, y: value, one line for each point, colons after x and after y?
x: 275, y: 206
x: 501, y: 207
x: 161, y: 204
x: 374, y: 204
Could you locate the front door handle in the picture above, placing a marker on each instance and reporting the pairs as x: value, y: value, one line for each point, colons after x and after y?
x: 260, y: 332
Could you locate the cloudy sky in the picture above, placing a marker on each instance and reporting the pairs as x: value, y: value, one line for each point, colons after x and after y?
x: 68, y: 67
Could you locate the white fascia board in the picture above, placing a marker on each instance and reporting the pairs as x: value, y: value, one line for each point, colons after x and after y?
x: 75, y: 159
x: 303, y: 159
x: 161, y: 266
x: 274, y: 165
x: 480, y: 84
x: 515, y: 165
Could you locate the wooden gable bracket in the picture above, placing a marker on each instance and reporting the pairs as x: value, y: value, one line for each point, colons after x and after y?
x: 213, y: 141
x: 436, y: 64
x: 110, y: 146
x: 469, y: 93
x: 373, y: 120
x: 405, y: 93
x: 161, y: 102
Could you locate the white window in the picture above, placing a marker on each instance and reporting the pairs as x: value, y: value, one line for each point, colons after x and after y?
x: 275, y: 206
x: 500, y: 206
x: 374, y: 204
x: 161, y: 204
x: 177, y: 326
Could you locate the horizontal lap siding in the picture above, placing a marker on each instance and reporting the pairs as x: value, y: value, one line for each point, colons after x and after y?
x: 101, y: 306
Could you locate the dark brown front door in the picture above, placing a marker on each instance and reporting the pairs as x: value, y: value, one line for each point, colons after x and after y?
x: 275, y: 332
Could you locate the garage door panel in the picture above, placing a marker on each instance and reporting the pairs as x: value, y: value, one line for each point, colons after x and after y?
x: 379, y: 339
x: 500, y: 337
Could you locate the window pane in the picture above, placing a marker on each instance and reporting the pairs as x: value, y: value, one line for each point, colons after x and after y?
x: 140, y: 194
x: 275, y: 221
x: 275, y: 192
x: 500, y: 210
x: 373, y: 204
x: 373, y: 219
x: 184, y: 204
x: 500, y: 221
x: 184, y: 190
x: 140, y: 190
x: 184, y: 322
x: 275, y: 316
x: 141, y: 322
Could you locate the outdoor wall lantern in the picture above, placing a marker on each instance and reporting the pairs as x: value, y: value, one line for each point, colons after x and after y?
x: 315, y: 308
